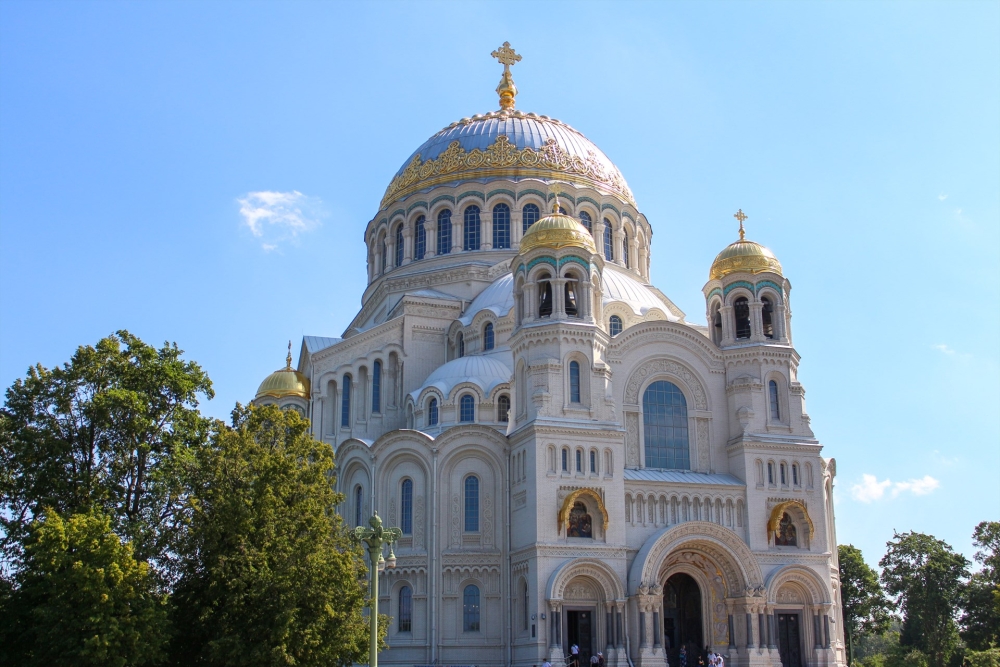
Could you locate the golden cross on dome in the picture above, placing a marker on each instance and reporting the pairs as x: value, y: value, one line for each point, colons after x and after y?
x: 288, y: 359
x: 507, y: 90
x: 741, y: 216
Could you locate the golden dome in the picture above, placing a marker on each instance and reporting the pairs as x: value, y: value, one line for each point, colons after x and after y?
x: 285, y: 382
x: 558, y: 230
x: 746, y: 257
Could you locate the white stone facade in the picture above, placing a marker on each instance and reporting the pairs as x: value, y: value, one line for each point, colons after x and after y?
x: 681, y: 553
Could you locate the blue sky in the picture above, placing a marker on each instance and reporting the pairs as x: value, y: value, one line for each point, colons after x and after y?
x: 863, y: 140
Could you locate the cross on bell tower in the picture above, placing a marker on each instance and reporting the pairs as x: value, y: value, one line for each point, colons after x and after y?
x: 741, y: 216
x: 506, y: 89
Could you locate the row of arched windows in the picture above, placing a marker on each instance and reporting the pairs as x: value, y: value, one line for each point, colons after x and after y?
x: 742, y: 326
x: 470, y: 609
x: 347, y: 389
x: 467, y: 409
x: 584, y: 462
x: 783, y: 473
x: 472, y: 233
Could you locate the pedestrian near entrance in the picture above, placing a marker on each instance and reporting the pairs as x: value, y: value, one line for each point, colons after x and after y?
x: 546, y: 663
x: 684, y: 657
x: 719, y: 662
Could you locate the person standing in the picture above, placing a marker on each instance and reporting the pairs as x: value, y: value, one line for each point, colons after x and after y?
x: 683, y: 661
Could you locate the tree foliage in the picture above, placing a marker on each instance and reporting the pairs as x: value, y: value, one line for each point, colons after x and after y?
x: 109, y: 431
x: 269, y: 575
x: 925, y: 575
x: 81, y: 598
x: 981, y: 598
x: 866, y: 609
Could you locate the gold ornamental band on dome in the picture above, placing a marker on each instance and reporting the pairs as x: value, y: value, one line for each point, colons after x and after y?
x: 503, y: 159
x: 573, y: 497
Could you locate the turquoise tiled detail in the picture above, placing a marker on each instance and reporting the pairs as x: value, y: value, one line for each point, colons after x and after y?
x: 738, y: 283
x: 626, y: 214
x: 398, y: 211
x: 509, y: 193
x: 540, y: 260
x: 580, y: 200
x: 573, y: 258
x: 471, y: 193
x: 768, y: 283
x: 714, y: 292
x: 442, y: 198
x: 539, y: 193
x: 383, y: 221
x: 563, y: 195
x: 605, y: 207
x: 415, y: 205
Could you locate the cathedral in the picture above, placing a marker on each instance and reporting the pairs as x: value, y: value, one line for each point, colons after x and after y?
x: 571, y: 461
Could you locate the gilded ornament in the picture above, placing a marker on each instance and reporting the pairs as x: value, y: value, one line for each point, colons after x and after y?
x: 285, y: 381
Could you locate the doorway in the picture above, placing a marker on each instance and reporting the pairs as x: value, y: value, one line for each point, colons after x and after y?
x: 682, y: 618
x: 789, y: 640
x: 580, y: 631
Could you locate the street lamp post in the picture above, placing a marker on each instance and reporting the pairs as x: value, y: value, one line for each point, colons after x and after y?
x: 374, y: 536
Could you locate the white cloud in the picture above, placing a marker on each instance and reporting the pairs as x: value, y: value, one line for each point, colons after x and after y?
x: 943, y: 348
x: 871, y: 489
x: 276, y: 217
x: 918, y: 487
x: 942, y: 197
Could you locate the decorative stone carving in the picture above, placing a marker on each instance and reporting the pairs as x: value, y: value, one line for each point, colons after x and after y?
x: 418, y: 522
x: 666, y: 366
x: 704, y: 456
x: 631, y: 440
x: 487, y: 520
x: 455, y: 534
x: 788, y: 595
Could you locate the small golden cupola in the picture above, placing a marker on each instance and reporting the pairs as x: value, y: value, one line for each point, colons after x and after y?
x: 743, y: 257
x: 284, y: 382
x: 556, y: 231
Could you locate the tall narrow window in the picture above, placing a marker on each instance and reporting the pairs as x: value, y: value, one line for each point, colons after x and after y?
x: 587, y: 222
x: 444, y: 232
x: 470, y: 238
x: 795, y: 474
x: 405, y: 609
x: 385, y: 254
x: 625, y: 250
x: 470, y: 609
x: 488, y: 339
x: 406, y: 507
x: 770, y: 473
x: 359, y: 503
x: 593, y: 461
x: 472, y: 504
x: 544, y: 296
x: 665, y: 422
x: 574, y: 382
x: 461, y: 345
x: 501, y: 226
x: 503, y: 408
x: 579, y: 461
x: 432, y: 412
x: 467, y: 409
x: 614, y: 325
x: 767, y: 317
x: 529, y: 216
x: 420, y: 238
x: 784, y: 479
x: 772, y: 390
x: 569, y: 302
x: 345, y: 403
x: 524, y: 612
x: 609, y: 246
x: 399, y: 245
x: 565, y: 460
x: 377, y: 386
x: 741, y: 311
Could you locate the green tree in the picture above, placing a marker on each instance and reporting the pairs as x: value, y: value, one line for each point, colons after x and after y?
x: 866, y: 608
x: 269, y: 574
x: 110, y: 431
x: 981, y: 598
x: 925, y: 575
x: 81, y: 598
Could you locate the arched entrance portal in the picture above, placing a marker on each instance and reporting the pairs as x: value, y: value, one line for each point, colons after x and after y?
x: 682, y: 618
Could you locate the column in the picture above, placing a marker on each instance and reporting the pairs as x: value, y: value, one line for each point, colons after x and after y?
x: 486, y: 229
x: 762, y: 631
x: 619, y: 630
x: 728, y: 335
x: 430, y: 234
x: 642, y: 630
x: 748, y: 615
x: 772, y: 630
x: 559, y: 298
x: 657, y: 628
x: 817, y: 632
x: 756, y: 321
x: 456, y: 233
x: 616, y: 243
x: 407, y: 244
x: 826, y: 630
x: 609, y: 627
x: 530, y: 302
x: 732, y: 633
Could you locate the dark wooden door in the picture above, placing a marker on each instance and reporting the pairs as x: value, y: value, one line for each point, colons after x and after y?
x: 789, y: 640
x: 579, y: 631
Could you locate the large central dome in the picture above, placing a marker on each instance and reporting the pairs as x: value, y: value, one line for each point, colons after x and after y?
x: 507, y: 144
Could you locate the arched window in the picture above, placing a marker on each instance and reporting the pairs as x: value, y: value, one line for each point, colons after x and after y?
x: 772, y: 390
x: 503, y: 408
x: 488, y: 338
x: 399, y: 245
x: 574, y: 382
x: 385, y: 254
x: 524, y: 610
x: 767, y: 317
x: 565, y: 459
x: 544, y: 296
x: 579, y: 461
x: 587, y: 222
x: 741, y: 310
x: 377, y: 386
x: 529, y: 216
x: 614, y: 325
x: 795, y: 474
x: 405, y: 609
x: 472, y: 504
x: 432, y: 412
x: 501, y: 226
x: 784, y: 478
x: 345, y: 403
x: 609, y: 246
x: 770, y: 473
x: 569, y: 292
x: 406, y: 507
x: 665, y: 422
x: 461, y: 345
x: 444, y: 232
x: 625, y: 252
x: 593, y: 461
x: 467, y: 409
x: 470, y: 609
x: 470, y: 230
x: 359, y: 503
x: 420, y: 245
